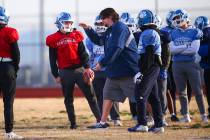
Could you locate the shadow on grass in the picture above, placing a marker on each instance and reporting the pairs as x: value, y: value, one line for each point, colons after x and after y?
x: 193, y: 126
x: 49, y: 138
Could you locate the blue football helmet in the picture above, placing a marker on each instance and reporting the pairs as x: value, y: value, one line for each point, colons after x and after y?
x: 129, y: 21
x: 4, y: 16
x: 132, y: 25
x: 98, y: 19
x: 146, y: 17
x: 201, y: 22
x: 61, y: 19
x: 99, y: 26
x: 158, y: 21
x: 169, y: 19
x: 179, y: 17
x: 125, y: 17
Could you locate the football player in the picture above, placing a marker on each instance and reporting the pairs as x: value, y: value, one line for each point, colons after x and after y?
x: 185, y: 42
x: 171, y: 87
x: 166, y: 57
x: 202, y: 22
x: 69, y: 61
x: 149, y: 65
x: 9, y: 65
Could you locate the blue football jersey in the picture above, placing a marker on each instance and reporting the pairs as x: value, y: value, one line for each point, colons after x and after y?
x: 150, y: 37
x: 185, y: 37
x: 96, y: 53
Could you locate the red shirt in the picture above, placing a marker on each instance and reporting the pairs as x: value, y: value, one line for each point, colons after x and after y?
x: 8, y: 36
x: 67, y: 47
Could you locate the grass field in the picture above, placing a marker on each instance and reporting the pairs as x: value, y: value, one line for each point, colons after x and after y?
x: 38, y: 119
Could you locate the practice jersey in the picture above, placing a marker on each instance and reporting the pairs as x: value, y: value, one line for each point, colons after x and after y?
x: 67, y: 47
x: 8, y: 36
x: 95, y: 52
x: 150, y: 37
x: 182, y: 43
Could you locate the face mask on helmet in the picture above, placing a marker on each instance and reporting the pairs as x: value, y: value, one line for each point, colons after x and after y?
x: 100, y: 27
x: 66, y: 26
x: 178, y: 21
x: 4, y: 16
x: 132, y: 27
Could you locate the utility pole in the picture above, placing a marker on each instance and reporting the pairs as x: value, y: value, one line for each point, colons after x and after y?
x: 76, y: 13
x: 43, y: 51
x: 3, y: 2
x: 157, y: 7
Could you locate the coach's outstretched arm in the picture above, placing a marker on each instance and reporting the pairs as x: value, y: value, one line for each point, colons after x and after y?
x: 93, y: 36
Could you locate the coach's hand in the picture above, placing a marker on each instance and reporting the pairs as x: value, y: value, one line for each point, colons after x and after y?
x: 58, y: 80
x: 85, y: 26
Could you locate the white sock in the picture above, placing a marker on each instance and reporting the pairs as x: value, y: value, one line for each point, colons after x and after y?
x: 101, y: 122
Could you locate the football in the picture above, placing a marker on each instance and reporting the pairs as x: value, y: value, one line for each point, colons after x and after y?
x: 88, y: 77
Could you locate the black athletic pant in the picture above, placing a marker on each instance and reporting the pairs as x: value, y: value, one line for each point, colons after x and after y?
x: 133, y: 109
x: 146, y: 91
x: 7, y: 88
x: 172, y: 87
x: 68, y: 79
x: 207, y: 83
x: 98, y: 84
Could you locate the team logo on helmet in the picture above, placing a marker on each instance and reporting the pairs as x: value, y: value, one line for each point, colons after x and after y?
x: 146, y: 17
x: 142, y: 14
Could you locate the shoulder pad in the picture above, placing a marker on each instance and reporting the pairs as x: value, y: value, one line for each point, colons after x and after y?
x: 51, y: 39
x: 12, y: 34
x: 78, y: 36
